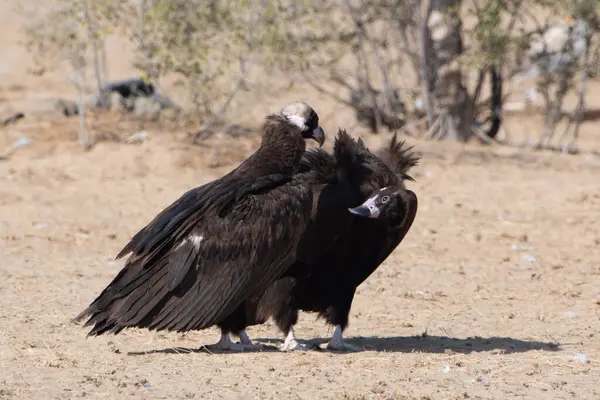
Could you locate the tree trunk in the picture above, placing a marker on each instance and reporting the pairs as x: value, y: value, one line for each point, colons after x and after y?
x: 93, y: 38
x: 451, y: 101
x: 426, y: 70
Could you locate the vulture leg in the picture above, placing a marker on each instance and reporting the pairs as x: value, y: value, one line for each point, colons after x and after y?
x: 247, y: 343
x: 225, y: 343
x: 236, y: 324
x: 337, y: 315
x: 337, y: 341
x: 291, y: 344
x: 279, y: 302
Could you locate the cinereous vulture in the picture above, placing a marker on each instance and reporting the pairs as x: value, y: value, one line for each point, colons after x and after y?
x: 361, y: 213
x: 218, y: 244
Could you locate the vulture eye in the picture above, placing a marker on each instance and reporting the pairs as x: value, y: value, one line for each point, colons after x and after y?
x: 385, y: 199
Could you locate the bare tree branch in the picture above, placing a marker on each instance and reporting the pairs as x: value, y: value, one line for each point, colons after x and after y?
x: 218, y: 114
x: 425, y: 69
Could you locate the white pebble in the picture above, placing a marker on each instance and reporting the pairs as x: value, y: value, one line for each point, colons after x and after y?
x: 571, y: 314
x: 582, y: 358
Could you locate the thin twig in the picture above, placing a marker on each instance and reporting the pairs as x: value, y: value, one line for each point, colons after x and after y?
x: 434, y: 128
x: 364, y: 82
x: 514, y: 16
x: 308, y: 79
x: 485, y: 138
x: 479, y: 85
x: 218, y: 114
x: 408, y: 127
x: 579, y: 109
x: 92, y: 37
x: 360, y: 27
x: 84, y: 139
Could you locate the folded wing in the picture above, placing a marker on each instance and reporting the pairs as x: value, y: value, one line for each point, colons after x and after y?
x: 204, y: 255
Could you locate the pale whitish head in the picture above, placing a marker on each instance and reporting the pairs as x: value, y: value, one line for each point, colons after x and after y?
x: 306, y: 119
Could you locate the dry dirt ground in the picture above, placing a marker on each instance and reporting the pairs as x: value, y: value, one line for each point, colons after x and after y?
x: 494, y: 293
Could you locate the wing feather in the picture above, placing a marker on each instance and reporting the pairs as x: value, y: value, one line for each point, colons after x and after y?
x: 212, y: 267
x: 183, y: 257
x: 175, y: 221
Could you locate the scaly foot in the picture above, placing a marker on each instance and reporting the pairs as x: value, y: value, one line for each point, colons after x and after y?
x: 291, y: 344
x: 247, y: 343
x: 225, y: 344
x: 337, y: 342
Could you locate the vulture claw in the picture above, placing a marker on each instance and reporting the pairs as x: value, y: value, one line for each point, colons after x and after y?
x: 337, y: 342
x: 291, y: 344
x: 225, y: 344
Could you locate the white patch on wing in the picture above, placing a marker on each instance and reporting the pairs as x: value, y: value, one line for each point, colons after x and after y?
x: 196, y: 240
x: 297, y: 120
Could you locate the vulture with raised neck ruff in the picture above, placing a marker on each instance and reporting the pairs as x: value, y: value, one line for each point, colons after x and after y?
x: 362, y: 211
x: 218, y: 244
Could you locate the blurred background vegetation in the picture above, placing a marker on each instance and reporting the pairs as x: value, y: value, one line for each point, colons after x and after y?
x: 439, y: 69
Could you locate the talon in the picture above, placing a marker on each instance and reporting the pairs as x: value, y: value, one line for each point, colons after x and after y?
x: 225, y: 344
x: 254, y: 347
x: 247, y: 343
x: 337, y: 342
x: 291, y: 344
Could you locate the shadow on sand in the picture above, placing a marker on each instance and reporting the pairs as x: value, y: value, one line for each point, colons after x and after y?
x: 402, y: 344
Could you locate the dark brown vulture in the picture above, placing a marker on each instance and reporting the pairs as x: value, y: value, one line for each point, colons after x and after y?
x: 218, y: 244
x: 361, y: 214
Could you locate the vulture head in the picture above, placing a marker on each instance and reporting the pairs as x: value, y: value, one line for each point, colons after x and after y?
x: 302, y: 116
x: 390, y: 204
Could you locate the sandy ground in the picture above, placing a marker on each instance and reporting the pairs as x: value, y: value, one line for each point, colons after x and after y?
x: 494, y: 294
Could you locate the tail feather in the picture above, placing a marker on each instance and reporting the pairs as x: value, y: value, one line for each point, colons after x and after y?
x: 170, y: 312
x: 141, y: 302
x: 128, y: 300
x: 133, y: 276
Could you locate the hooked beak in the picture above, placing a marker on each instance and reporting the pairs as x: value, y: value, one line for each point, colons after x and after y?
x: 361, y: 211
x: 318, y: 134
x: 367, y: 209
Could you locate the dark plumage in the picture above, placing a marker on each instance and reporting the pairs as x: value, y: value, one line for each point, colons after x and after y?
x: 361, y: 212
x: 218, y: 244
